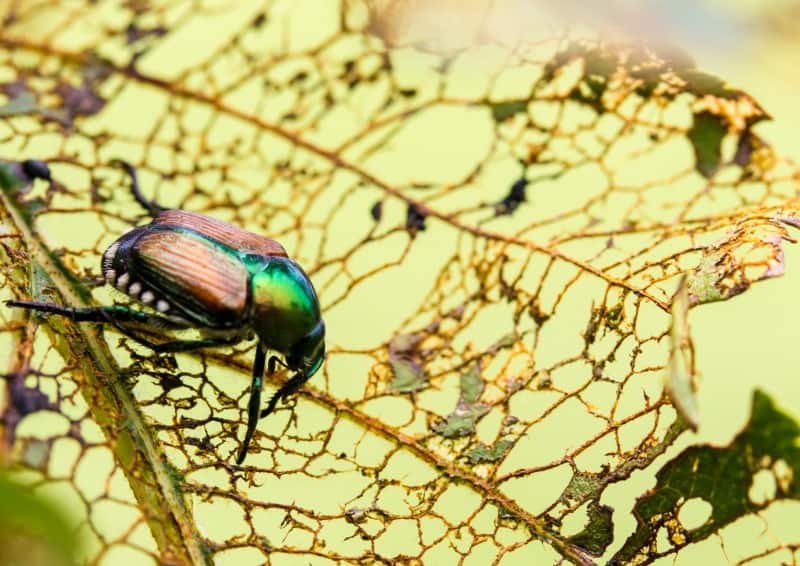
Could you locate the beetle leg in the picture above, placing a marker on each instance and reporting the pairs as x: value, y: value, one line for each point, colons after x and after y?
x: 152, y: 207
x: 273, y: 364
x: 116, y: 315
x: 254, y: 403
x: 107, y: 314
x: 288, y: 388
x: 187, y: 345
x: 174, y: 346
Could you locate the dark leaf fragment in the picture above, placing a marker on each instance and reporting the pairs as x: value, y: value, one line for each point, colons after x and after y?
x: 504, y: 110
x: 406, y: 363
x: 376, y: 211
x: 599, y: 532
x: 723, y: 478
x: 513, y: 199
x: 134, y: 33
x: 483, y: 453
x: 461, y: 422
x: 415, y: 219
x: 706, y: 136
x: 79, y: 101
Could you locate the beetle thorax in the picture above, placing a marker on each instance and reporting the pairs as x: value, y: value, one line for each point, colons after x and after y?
x: 285, y: 307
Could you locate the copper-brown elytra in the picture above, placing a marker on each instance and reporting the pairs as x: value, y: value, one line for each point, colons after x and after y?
x: 194, y: 271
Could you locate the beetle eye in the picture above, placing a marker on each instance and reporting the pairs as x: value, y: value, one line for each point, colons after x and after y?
x: 313, y: 362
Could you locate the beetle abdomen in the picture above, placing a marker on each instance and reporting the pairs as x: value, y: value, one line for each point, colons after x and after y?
x: 190, y: 274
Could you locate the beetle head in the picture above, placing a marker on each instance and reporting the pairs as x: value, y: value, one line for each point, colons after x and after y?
x: 307, y: 355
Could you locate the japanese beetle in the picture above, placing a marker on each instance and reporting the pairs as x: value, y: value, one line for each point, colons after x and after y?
x: 194, y: 271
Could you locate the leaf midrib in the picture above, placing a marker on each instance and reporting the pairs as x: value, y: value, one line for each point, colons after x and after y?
x: 173, y: 511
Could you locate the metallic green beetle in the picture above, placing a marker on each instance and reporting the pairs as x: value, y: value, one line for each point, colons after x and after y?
x: 194, y: 271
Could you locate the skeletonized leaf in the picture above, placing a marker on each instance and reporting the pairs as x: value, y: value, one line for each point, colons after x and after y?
x: 496, y: 238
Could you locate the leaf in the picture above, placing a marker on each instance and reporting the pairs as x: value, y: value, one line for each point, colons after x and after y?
x: 23, y: 103
x: 706, y: 136
x: 498, y: 324
x: 461, y: 422
x: 681, y: 379
x: 750, y: 251
x: 409, y: 375
x: 504, y: 110
x: 729, y: 480
x: 483, y: 453
x: 598, y: 532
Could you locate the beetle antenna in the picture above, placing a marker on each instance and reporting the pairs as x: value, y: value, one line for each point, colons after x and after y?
x: 152, y: 207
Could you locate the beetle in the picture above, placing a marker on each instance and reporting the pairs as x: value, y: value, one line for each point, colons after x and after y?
x: 192, y: 271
